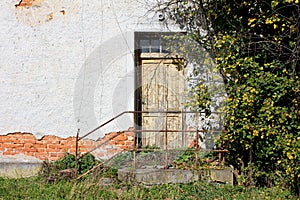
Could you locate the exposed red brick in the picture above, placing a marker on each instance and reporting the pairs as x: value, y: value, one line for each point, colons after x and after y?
x: 110, y: 135
x: 26, y: 136
x: 129, y: 134
x: 54, y: 158
x: 30, y: 141
x: 49, y: 150
x: 121, y: 137
x: 41, y: 150
x: 129, y: 143
x: 73, y: 150
x: 50, y: 138
x: 25, y: 3
x: 64, y: 142
x: 28, y: 145
x: 53, y: 147
x: 17, y: 145
x: 122, y: 142
x: 71, y: 139
x: 6, y: 153
x: 30, y: 150
x: 65, y: 147
x: 112, y: 142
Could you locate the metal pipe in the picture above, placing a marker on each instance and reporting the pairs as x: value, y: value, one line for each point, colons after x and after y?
x: 197, y: 137
x: 200, y: 150
x: 134, y: 142
x: 134, y: 150
x: 166, y: 142
x: 76, y: 153
x: 130, y: 112
x: 174, y: 131
x: 104, y: 124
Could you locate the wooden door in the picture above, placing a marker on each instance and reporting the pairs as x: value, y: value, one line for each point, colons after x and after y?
x: 162, y: 89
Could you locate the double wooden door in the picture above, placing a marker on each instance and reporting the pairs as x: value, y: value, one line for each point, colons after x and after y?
x: 162, y: 89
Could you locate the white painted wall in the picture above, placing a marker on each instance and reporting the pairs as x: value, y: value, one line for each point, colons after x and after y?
x: 62, y: 60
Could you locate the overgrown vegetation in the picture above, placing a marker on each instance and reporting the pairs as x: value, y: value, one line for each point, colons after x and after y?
x: 255, y: 45
x: 37, y: 188
x: 92, y: 186
x: 194, y: 160
x: 65, y: 167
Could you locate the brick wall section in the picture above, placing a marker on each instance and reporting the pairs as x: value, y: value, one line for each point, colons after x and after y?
x: 24, y: 3
x: 53, y: 147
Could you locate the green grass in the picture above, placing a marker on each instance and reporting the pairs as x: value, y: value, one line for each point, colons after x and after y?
x: 37, y: 188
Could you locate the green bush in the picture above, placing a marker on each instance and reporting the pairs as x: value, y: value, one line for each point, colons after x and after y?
x: 53, y: 169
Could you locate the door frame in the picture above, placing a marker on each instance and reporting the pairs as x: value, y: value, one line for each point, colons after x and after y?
x: 138, y: 36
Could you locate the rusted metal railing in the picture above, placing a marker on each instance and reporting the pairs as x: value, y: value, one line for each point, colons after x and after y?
x: 166, y: 131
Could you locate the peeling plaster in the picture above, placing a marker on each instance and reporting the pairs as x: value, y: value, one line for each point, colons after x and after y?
x: 37, y: 12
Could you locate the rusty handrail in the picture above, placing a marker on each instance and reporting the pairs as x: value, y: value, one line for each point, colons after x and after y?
x: 97, y: 128
x: 138, y: 131
x: 132, y: 112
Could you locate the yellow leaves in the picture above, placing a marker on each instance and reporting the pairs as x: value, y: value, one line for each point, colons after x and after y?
x: 283, y: 27
x: 285, y: 71
x: 229, y: 10
x: 290, y: 155
x: 272, y: 20
x: 228, y: 99
x: 247, y: 146
x: 251, y: 22
x: 270, y: 117
x: 279, y: 161
x: 220, y: 43
x: 293, y: 29
x: 274, y: 3
x: 253, y: 90
x: 255, y: 133
x: 269, y: 21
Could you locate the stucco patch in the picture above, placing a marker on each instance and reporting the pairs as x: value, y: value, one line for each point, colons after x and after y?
x: 36, y: 12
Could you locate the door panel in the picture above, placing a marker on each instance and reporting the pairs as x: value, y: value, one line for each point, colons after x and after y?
x: 162, y: 90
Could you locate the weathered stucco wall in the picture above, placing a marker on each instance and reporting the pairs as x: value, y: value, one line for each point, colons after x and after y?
x: 62, y: 60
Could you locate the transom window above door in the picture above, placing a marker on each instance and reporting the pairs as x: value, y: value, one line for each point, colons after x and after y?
x: 154, y: 42
x: 153, y: 46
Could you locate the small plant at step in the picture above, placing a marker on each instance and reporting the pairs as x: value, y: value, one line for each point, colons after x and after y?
x: 205, y: 160
x: 65, y: 167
